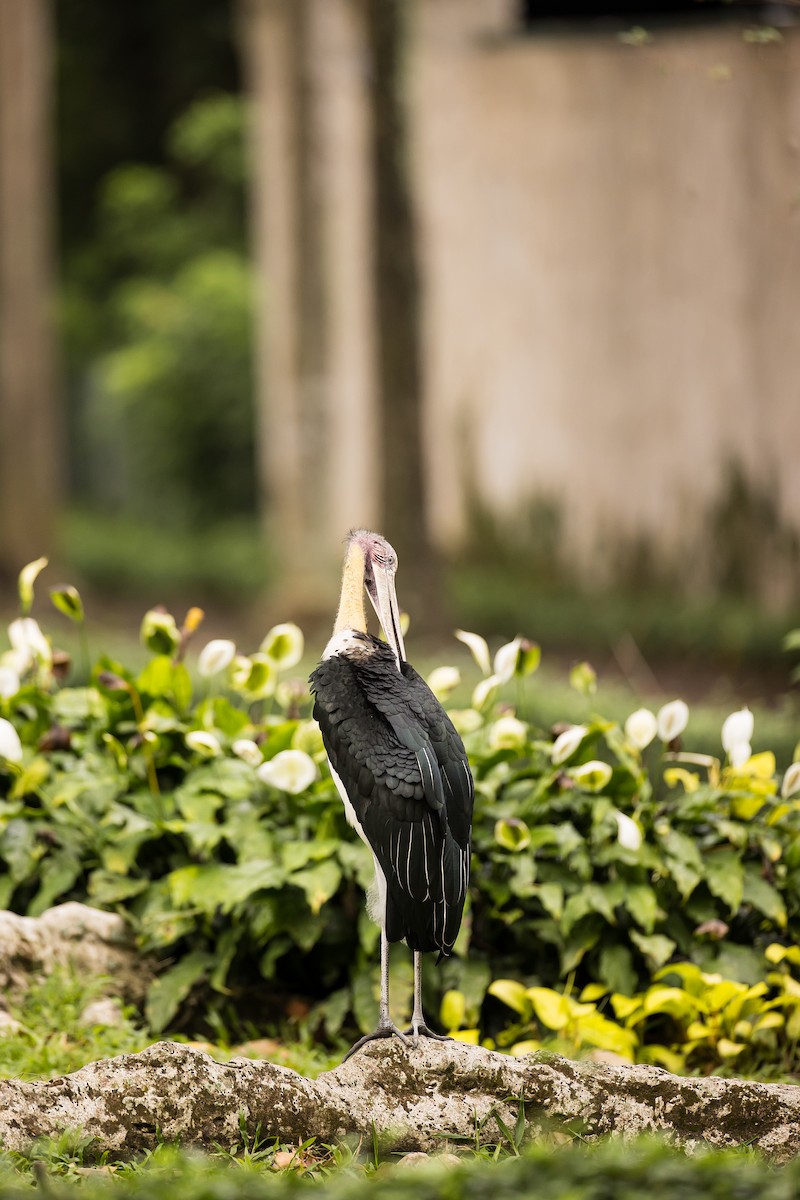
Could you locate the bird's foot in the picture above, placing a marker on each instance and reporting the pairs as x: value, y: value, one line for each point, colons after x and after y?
x: 417, y: 1030
x: 383, y: 1031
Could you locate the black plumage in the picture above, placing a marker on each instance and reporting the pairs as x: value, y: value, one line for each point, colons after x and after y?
x: 401, y: 770
x: 405, y: 771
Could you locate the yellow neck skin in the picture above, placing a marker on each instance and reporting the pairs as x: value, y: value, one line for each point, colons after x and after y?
x: 352, y: 613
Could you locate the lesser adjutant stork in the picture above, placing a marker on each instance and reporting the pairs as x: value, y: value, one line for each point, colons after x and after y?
x: 401, y: 770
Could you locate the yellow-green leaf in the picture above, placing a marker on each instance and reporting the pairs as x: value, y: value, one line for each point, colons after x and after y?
x: 511, y: 993
x: 453, y: 1009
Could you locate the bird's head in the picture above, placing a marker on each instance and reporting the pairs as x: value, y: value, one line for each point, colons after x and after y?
x: 380, y: 567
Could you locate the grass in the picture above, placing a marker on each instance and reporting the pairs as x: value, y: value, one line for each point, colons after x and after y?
x: 54, y: 1039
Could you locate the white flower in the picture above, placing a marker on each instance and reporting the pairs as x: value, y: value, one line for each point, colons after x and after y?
x: 215, y: 656
x: 308, y: 737
x: 506, y: 659
x: 672, y: 720
x: 9, y: 682
x: 629, y: 835
x: 284, y: 645
x: 290, y: 771
x: 443, y: 680
x: 791, y: 781
x: 640, y: 728
x: 739, y: 753
x: 507, y: 733
x: 737, y: 729
x: 27, y: 638
x: 592, y: 775
x: 10, y: 745
x: 26, y: 580
x: 203, y: 743
x: 465, y: 720
x: 567, y: 743
x: 478, y: 647
x: 485, y: 692
x: 248, y: 751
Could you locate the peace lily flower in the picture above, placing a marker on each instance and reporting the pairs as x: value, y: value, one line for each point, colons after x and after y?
x: 203, y: 743
x: 739, y: 754
x: 254, y: 677
x: 672, y: 719
x: 443, y: 680
x: 215, y: 656
x: 308, y: 737
x: 10, y: 745
x: 567, y: 743
x: 159, y: 632
x: 629, y: 835
x: 506, y: 659
x: 485, y: 692
x: 289, y: 771
x: 478, y: 648
x: 465, y: 720
x: 507, y: 733
x: 27, y: 578
x: 592, y: 775
x: 791, y: 781
x: 640, y: 728
x: 284, y: 645
x: 27, y: 639
x: 248, y: 751
x: 9, y: 682
x: 737, y: 730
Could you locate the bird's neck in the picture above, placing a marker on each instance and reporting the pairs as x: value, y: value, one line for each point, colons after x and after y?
x: 352, y: 612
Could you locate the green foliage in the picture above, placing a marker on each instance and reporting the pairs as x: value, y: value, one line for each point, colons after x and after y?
x: 157, y: 321
x: 49, y: 1033
x: 205, y: 813
x: 687, y: 1020
x: 561, y: 1165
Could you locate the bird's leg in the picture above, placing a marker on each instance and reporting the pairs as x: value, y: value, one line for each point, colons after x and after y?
x: 386, y: 1026
x: 418, y: 1027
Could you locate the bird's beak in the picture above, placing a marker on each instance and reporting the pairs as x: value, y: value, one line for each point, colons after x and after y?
x: 384, y: 601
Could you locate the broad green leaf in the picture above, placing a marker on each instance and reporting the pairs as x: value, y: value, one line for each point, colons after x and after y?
x: 642, y: 903
x: 57, y: 874
x: 18, y: 847
x: 725, y: 877
x: 616, y: 970
x: 764, y: 897
x: 552, y: 1008
x: 297, y: 854
x: 220, y: 885
x: 656, y: 948
x: 162, y: 678
x: 319, y: 883
x: 167, y: 993
x: 107, y: 888
x: 551, y: 896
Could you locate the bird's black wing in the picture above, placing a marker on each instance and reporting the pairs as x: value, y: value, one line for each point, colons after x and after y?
x: 406, y: 775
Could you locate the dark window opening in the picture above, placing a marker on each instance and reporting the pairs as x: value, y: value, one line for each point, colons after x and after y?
x: 657, y: 12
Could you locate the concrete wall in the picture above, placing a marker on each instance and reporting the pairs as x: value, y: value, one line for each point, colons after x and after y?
x: 611, y: 264
x: 612, y: 254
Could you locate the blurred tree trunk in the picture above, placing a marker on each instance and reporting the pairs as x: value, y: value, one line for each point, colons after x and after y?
x: 398, y: 317
x: 277, y: 39
x: 30, y: 465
